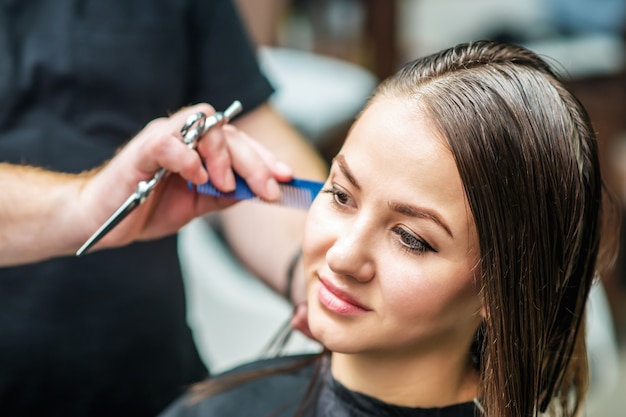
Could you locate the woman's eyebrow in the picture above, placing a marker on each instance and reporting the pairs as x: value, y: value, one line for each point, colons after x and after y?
x: 422, y: 213
x: 341, y: 162
x: 403, y: 208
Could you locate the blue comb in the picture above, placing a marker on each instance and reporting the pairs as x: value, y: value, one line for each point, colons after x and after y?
x: 297, y: 193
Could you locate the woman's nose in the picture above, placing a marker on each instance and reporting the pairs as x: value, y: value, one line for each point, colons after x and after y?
x: 351, y: 254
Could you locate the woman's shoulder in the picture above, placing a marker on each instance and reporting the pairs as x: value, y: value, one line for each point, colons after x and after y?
x: 270, y: 386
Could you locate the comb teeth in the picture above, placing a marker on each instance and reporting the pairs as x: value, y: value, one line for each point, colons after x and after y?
x: 297, y: 193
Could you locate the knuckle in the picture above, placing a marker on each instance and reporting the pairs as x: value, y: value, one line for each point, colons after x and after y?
x: 155, y: 123
x: 161, y: 146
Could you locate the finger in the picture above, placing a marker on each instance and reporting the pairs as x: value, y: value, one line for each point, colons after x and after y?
x: 174, y: 123
x: 161, y: 145
x: 180, y: 117
x: 282, y: 172
x: 169, y: 152
x: 259, y: 167
x: 214, y: 150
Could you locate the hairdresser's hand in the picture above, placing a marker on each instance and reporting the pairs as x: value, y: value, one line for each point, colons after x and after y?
x: 171, y: 205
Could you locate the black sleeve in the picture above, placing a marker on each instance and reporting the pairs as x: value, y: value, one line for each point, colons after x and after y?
x: 226, y: 62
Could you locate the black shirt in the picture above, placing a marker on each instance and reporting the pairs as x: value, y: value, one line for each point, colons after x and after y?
x: 281, y: 394
x: 105, y: 334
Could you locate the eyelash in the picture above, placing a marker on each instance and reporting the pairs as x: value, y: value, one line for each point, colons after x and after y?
x: 337, y: 194
x: 407, y: 241
x: 414, y: 244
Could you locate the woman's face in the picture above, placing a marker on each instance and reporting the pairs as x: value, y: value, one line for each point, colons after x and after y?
x: 391, y: 250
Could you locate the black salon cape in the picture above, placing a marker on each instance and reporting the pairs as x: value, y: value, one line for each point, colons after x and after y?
x: 280, y: 395
x: 105, y: 334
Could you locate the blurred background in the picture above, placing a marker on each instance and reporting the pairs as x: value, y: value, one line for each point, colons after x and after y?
x: 326, y: 56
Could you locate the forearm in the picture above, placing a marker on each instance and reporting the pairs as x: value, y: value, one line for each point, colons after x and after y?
x: 38, y: 214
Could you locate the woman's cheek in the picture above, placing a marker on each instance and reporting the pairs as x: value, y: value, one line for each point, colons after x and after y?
x: 317, y: 224
x: 314, y: 223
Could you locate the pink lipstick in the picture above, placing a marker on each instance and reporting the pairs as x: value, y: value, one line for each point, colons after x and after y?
x: 339, y: 301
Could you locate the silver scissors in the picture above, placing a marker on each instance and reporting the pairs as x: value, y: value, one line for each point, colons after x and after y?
x: 194, y: 128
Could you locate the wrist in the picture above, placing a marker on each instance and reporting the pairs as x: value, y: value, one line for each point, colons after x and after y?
x: 69, y: 221
x: 43, y: 214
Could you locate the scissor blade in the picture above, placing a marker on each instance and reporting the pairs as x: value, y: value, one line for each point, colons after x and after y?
x: 120, y: 214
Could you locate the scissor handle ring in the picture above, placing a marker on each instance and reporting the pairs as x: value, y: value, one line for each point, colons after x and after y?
x: 193, y: 120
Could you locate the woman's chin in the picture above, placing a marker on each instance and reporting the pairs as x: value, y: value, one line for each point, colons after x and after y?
x: 331, y: 335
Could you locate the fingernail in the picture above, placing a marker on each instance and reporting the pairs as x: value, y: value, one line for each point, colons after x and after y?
x: 273, y: 191
x: 284, y: 168
x: 229, y: 181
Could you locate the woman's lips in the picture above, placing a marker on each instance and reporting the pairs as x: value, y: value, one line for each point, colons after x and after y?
x: 338, y: 301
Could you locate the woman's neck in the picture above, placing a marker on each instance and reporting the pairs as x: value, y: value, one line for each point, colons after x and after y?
x: 432, y: 380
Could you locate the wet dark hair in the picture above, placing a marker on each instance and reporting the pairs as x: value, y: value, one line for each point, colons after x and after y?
x: 528, y: 158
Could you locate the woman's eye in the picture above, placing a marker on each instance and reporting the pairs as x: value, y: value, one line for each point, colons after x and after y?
x: 411, y: 242
x: 339, y: 197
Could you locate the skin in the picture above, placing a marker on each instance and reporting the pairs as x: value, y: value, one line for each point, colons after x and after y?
x: 391, y: 256
x: 270, y: 256
x: 47, y: 214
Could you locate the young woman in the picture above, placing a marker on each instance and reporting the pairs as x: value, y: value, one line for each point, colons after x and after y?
x: 449, y: 256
